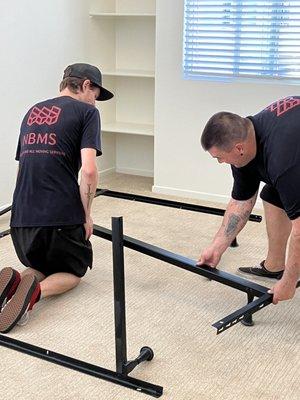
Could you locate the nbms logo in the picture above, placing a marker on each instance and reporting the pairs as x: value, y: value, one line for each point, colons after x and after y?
x: 43, y: 115
x: 282, y: 106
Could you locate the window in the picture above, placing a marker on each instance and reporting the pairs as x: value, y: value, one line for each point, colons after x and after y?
x: 245, y: 38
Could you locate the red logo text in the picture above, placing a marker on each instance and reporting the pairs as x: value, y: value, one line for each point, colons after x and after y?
x: 39, y: 138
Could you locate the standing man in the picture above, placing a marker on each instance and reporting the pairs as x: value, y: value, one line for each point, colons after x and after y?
x: 264, y: 147
x: 51, y: 214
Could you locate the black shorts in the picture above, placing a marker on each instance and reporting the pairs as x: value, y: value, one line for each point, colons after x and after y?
x: 270, y: 195
x: 54, y: 249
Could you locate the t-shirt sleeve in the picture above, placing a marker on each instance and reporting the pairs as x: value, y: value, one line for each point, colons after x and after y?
x: 91, y: 131
x: 287, y: 186
x: 246, y: 183
x: 18, y: 151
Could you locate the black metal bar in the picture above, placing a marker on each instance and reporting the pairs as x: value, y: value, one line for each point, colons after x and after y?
x: 5, y: 210
x: 185, y: 263
x: 81, y: 366
x: 2, y: 212
x: 119, y: 294
x: 247, y: 320
x: 239, y: 315
x: 146, y: 353
x: 4, y: 233
x: 168, y: 203
x: 234, y: 243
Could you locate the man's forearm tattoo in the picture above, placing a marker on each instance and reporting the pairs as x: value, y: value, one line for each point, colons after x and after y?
x: 233, y: 221
x: 90, y: 196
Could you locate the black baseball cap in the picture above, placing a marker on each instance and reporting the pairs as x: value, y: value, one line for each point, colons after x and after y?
x: 87, y: 71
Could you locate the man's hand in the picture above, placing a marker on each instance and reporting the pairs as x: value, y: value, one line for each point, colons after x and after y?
x: 210, y: 256
x: 88, y: 226
x: 283, y: 290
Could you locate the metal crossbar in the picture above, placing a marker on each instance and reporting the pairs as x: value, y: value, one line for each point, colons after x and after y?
x: 5, y: 210
x: 168, y: 203
x: 4, y: 233
x: 185, y: 263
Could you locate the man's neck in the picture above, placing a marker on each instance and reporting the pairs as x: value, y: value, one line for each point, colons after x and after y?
x: 67, y: 92
x: 252, y: 142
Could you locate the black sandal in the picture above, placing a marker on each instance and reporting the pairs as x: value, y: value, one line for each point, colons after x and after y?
x: 260, y: 270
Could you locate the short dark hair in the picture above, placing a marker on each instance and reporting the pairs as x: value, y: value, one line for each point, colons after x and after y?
x: 75, y: 85
x: 223, y: 130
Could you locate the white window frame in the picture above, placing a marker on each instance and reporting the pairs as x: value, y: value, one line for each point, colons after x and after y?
x: 261, y: 43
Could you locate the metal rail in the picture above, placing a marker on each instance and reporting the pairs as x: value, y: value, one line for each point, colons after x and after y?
x: 168, y: 203
x: 4, y: 233
x: 5, y: 210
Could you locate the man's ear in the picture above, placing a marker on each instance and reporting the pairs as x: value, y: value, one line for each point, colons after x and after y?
x: 239, y: 147
x: 86, y: 84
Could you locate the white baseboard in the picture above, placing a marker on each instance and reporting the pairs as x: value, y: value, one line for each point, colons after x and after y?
x: 190, y: 194
x: 132, y: 171
x: 215, y: 198
x: 107, y: 171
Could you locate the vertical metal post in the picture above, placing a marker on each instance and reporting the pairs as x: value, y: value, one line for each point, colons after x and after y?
x: 119, y: 294
x: 247, y: 320
x: 234, y: 243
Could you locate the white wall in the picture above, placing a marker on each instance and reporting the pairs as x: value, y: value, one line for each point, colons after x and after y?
x: 182, y: 109
x: 134, y: 154
x: 38, y: 38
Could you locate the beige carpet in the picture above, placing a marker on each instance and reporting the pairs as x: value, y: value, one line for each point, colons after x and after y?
x: 168, y: 309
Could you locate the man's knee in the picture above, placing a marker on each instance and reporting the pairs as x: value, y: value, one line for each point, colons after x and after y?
x: 68, y: 281
x: 77, y: 280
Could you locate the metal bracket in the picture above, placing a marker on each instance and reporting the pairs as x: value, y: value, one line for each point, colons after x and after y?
x: 239, y: 315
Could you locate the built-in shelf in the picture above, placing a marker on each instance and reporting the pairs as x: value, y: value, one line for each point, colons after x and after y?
x: 112, y: 15
x: 129, y: 128
x: 122, y: 44
x: 131, y: 73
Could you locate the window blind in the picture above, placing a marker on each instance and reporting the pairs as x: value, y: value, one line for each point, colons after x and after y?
x: 246, y: 38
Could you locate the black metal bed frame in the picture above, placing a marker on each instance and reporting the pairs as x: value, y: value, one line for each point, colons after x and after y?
x: 123, y: 366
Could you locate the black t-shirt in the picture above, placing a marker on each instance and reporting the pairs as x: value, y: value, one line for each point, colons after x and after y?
x: 277, y: 162
x: 52, y: 134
